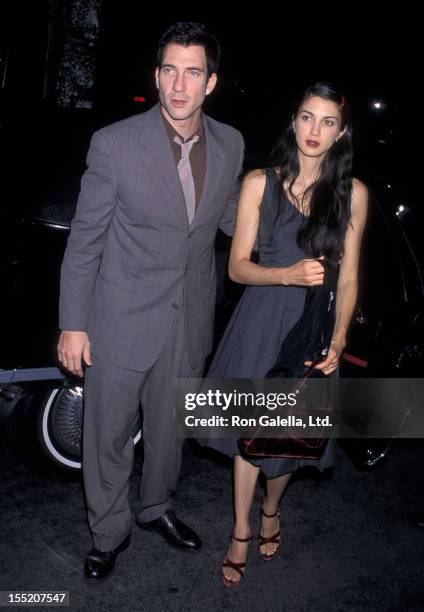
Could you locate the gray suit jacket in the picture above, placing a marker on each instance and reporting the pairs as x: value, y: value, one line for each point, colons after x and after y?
x: 132, y: 259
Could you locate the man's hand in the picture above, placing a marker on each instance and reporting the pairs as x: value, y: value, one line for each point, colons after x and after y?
x: 73, y: 350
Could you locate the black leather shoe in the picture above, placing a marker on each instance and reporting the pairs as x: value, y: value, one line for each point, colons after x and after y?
x: 173, y: 531
x: 99, y: 564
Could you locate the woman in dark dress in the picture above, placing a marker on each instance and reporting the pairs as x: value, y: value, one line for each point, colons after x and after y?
x: 305, y: 208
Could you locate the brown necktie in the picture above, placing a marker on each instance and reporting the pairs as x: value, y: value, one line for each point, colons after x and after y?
x: 186, y: 175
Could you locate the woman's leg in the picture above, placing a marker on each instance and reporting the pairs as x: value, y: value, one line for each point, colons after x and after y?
x: 245, y: 477
x: 269, y: 526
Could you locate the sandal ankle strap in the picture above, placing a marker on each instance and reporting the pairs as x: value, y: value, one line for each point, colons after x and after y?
x: 233, y: 537
x: 277, y: 513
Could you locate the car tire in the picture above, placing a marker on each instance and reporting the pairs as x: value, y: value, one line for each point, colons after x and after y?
x: 48, y: 426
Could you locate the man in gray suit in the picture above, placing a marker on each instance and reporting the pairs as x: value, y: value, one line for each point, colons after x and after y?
x: 138, y: 287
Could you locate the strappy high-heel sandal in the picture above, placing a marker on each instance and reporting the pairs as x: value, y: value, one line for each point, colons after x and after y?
x: 238, y: 567
x: 274, y: 539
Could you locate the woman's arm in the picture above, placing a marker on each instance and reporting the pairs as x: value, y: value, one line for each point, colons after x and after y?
x: 347, y: 285
x: 306, y: 272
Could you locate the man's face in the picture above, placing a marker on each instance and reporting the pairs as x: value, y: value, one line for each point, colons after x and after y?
x: 182, y: 81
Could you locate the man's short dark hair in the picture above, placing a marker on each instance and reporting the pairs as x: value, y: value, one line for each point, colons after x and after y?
x: 187, y: 33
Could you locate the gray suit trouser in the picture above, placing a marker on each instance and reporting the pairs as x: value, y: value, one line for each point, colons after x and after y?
x: 112, y: 398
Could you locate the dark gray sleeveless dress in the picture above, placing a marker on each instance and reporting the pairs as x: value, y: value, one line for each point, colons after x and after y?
x: 261, y: 320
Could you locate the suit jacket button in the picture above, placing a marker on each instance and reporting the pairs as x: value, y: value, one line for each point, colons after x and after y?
x: 174, y: 305
x: 186, y: 269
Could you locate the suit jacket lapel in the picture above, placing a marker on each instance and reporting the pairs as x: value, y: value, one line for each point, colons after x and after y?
x: 214, y: 167
x: 159, y: 160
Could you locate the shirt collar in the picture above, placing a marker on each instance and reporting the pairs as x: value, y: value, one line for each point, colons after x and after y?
x: 172, y: 132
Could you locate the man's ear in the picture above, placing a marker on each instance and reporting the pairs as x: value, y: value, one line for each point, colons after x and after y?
x: 211, y: 83
x: 157, y: 77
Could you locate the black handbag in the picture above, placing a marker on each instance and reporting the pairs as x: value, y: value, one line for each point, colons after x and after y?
x: 308, y: 340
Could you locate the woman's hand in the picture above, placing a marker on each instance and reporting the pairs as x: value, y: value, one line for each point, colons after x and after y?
x: 331, y: 362
x: 306, y: 273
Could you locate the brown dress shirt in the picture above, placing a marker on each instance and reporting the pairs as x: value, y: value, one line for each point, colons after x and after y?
x: 197, y: 154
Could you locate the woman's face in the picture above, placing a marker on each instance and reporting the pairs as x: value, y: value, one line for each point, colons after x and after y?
x: 317, y: 126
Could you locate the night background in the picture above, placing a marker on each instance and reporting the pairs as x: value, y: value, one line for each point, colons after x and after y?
x: 69, y: 67
x: 78, y: 65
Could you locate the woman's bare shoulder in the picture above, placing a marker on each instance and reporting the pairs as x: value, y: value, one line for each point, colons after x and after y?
x: 359, y: 197
x: 359, y: 189
x: 254, y: 181
x: 256, y: 176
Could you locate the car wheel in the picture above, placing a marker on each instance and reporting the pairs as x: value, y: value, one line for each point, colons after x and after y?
x: 51, y: 425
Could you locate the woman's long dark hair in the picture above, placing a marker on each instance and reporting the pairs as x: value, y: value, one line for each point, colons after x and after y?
x: 324, y: 229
